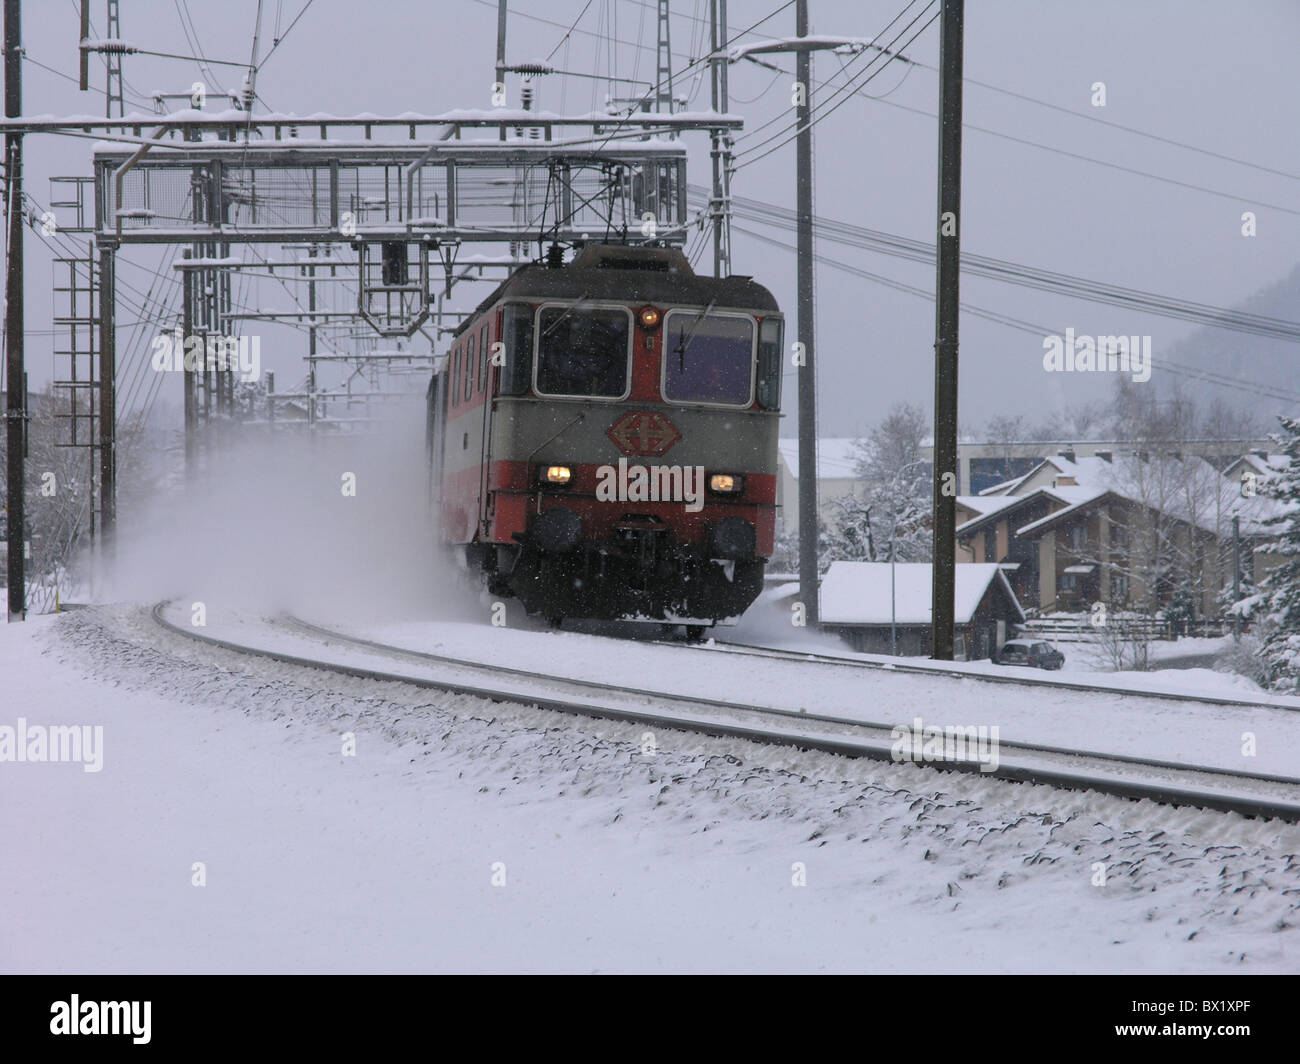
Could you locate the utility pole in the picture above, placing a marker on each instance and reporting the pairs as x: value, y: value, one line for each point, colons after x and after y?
x: 663, y: 63
x: 502, y: 12
x: 720, y: 153
x: 114, y: 98
x: 803, y: 47
x: 724, y: 266
x: 191, y: 396
x: 250, y: 80
x: 807, y: 381
x: 311, y: 335
x: 107, y: 400
x: 944, y: 569
x: 15, y: 371
x: 1236, y: 577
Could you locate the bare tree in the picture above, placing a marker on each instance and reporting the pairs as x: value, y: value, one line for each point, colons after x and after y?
x: 1123, y: 642
x: 61, y: 480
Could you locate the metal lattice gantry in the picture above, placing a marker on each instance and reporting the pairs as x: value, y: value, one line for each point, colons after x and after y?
x: 402, y: 195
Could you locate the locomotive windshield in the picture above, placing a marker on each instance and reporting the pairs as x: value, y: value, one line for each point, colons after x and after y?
x: 708, y: 358
x: 583, y: 352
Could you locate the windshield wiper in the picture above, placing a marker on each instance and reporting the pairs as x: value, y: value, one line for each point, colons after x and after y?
x: 683, y: 338
x: 555, y: 324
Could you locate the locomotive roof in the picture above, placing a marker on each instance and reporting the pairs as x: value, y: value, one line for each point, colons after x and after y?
x: 624, y: 273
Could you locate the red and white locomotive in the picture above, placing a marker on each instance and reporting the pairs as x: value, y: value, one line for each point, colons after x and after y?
x: 602, y: 438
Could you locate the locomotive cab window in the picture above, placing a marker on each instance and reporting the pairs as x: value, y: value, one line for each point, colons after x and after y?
x: 769, y: 363
x: 584, y: 351
x: 708, y: 358
x: 469, y: 366
x: 517, y: 335
x: 453, y: 379
x: 483, y: 358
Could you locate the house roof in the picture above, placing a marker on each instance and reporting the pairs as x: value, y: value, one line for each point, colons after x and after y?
x: 1001, y: 488
x: 1004, y: 504
x: 1160, y: 482
x: 1264, y: 466
x: 859, y: 592
x: 837, y: 457
x: 985, y: 504
x: 1043, y: 523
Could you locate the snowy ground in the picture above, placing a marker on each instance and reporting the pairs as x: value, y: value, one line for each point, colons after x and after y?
x: 1104, y: 723
x: 768, y: 624
x: 612, y: 860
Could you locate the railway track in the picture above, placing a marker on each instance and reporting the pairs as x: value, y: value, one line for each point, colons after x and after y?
x: 1129, y: 777
x: 1021, y: 677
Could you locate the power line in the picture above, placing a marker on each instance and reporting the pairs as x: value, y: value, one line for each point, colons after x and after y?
x: 1076, y: 114
x: 1103, y: 162
x: 1009, y: 272
x: 851, y: 89
x: 569, y: 32
x: 280, y: 39
x: 821, y: 87
x: 1179, y: 369
x: 136, y: 97
x: 1120, y: 126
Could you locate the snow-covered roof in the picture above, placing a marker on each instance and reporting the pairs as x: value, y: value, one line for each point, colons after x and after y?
x: 859, y: 592
x: 1267, y: 464
x: 837, y: 457
x: 1002, y: 488
x: 1185, y: 487
x: 987, y: 504
x: 1066, y: 496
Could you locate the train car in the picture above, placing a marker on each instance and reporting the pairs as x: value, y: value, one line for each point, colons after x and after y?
x: 602, y: 438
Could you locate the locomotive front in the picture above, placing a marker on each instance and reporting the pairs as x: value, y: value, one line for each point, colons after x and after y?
x: 628, y: 456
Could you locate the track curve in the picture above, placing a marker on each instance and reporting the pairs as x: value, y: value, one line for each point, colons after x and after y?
x: 1177, y: 784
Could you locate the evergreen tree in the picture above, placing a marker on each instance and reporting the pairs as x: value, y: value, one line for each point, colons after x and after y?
x: 1281, y: 586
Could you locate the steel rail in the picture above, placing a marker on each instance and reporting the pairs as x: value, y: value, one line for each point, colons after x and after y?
x: 1170, y: 793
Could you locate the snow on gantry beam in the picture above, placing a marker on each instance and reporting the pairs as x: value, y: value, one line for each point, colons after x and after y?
x: 448, y: 192
x: 240, y: 123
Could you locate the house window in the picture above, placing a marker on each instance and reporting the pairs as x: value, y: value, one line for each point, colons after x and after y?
x: 1069, y: 582
x: 1119, y: 588
x: 1076, y: 537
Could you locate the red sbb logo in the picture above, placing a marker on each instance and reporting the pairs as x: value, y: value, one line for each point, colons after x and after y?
x: 643, y: 432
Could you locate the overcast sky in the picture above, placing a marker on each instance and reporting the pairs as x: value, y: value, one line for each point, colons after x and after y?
x: 1217, y: 75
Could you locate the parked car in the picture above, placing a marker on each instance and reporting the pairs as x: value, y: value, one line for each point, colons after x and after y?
x: 1031, y: 652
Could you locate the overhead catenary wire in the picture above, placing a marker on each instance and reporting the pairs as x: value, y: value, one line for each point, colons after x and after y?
x: 1179, y: 369
x: 821, y: 87
x: 846, y: 92
x: 1017, y: 273
x: 192, y: 38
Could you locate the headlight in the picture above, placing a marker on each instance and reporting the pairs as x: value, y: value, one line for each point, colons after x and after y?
x: 726, y: 484
x: 648, y: 317
x: 557, y: 474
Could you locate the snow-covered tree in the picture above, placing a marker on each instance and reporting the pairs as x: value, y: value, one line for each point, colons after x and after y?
x: 1280, y: 588
x: 852, y: 536
x: 785, y: 553
x: 895, y: 504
